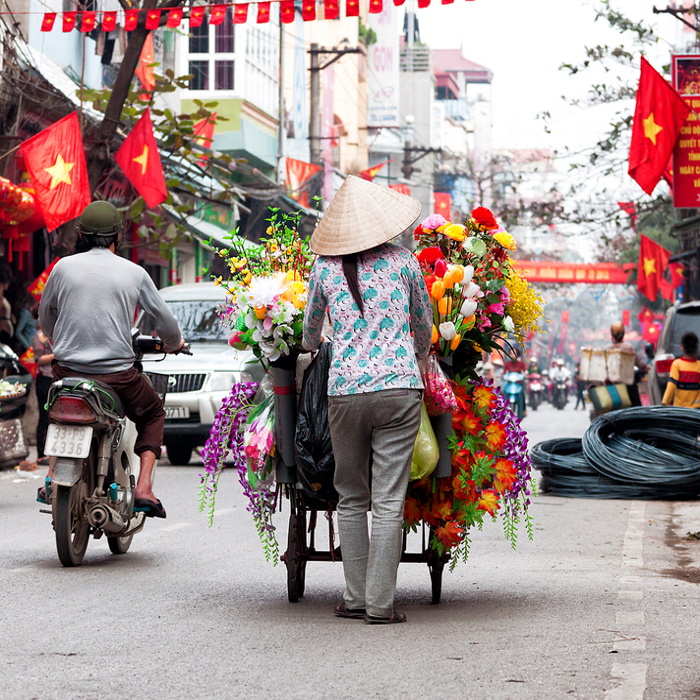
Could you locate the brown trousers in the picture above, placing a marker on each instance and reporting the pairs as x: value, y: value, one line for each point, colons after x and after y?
x: 141, y: 404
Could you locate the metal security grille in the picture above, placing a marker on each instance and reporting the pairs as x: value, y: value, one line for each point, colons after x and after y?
x: 185, y: 382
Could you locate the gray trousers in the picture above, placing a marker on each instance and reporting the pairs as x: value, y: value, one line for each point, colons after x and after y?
x: 373, y: 436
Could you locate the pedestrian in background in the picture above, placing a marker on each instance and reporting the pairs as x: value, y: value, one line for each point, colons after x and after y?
x: 683, y: 388
x: 381, y: 315
x: 617, y: 337
x: 43, y: 356
x: 580, y: 388
x: 7, y: 329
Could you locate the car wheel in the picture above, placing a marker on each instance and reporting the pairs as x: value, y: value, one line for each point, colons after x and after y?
x: 179, y: 453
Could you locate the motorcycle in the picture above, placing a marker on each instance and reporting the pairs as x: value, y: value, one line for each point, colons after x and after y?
x: 535, y: 389
x: 560, y: 393
x: 15, y: 382
x: 512, y: 386
x: 91, y: 443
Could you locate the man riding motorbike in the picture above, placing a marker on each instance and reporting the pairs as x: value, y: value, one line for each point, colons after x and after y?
x: 87, y: 310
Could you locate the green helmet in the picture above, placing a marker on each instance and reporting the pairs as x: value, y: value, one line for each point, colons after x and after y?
x: 100, y: 219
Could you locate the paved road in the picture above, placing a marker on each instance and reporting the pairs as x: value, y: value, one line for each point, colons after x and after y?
x: 603, y: 604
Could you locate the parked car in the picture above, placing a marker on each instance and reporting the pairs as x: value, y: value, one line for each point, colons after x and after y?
x: 679, y: 319
x: 198, y: 384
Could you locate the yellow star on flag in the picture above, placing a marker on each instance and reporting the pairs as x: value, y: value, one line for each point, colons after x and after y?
x: 142, y: 160
x: 60, y: 172
x: 651, y: 128
x: 649, y: 266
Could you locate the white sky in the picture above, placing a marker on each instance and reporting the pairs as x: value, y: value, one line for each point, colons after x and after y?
x: 524, y: 42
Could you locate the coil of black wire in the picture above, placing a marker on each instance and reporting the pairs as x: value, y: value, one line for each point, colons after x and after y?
x: 566, y: 472
x: 646, y: 452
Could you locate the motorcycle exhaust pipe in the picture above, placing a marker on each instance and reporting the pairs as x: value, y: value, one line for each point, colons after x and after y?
x: 104, y: 518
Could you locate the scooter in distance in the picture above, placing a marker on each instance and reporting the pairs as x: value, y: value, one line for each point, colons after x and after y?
x: 535, y: 390
x: 513, y: 390
x: 91, y: 443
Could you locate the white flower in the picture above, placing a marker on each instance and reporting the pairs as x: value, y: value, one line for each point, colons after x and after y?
x: 263, y: 291
x: 468, y: 308
x: 468, y: 274
x: 508, y: 324
x: 447, y: 330
x: 470, y: 290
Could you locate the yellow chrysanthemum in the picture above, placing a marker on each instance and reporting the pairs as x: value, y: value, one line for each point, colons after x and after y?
x: 505, y: 239
x: 456, y: 232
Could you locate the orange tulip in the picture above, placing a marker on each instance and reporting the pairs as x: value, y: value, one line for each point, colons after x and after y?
x: 434, y: 336
x: 454, y: 343
x: 438, y: 289
x: 442, y: 305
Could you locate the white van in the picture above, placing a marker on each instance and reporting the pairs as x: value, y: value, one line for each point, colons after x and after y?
x: 198, y: 383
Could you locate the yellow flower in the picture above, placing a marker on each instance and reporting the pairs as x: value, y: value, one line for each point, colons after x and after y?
x: 456, y: 232
x: 438, y: 289
x: 218, y: 281
x: 505, y: 239
x: 260, y: 312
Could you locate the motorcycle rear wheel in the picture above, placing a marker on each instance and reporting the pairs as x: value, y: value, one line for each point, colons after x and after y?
x: 70, y: 523
x: 119, y: 545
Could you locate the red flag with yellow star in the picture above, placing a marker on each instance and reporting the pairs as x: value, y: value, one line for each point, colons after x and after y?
x: 371, y: 173
x: 138, y: 157
x: 55, y: 161
x: 658, y: 117
x: 653, y: 260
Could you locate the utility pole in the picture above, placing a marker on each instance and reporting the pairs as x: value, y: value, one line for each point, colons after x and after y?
x: 315, y: 94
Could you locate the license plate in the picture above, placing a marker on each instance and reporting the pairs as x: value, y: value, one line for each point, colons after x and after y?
x: 177, y: 412
x: 68, y: 441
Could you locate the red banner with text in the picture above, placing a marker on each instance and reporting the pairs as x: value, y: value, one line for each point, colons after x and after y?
x: 686, y: 154
x: 597, y: 273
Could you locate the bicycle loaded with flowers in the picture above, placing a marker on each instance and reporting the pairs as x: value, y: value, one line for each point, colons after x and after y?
x: 479, y: 299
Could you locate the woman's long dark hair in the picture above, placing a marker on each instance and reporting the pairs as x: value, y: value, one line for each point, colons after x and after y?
x: 350, y: 272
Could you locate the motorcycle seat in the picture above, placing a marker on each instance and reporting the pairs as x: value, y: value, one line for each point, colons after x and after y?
x: 109, y: 398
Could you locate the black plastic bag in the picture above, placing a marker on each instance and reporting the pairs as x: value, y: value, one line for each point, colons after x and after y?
x: 314, y: 453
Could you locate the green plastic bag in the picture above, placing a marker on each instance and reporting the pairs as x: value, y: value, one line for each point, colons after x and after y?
x: 426, y: 452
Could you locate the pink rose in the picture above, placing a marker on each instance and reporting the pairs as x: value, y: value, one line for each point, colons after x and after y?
x: 496, y: 309
x: 434, y: 221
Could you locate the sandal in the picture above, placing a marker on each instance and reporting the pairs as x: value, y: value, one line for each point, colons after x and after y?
x: 342, y: 610
x: 41, y: 495
x: 394, y: 617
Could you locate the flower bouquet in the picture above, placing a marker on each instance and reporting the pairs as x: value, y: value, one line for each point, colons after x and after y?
x: 478, y: 300
x: 478, y: 296
x: 267, y: 291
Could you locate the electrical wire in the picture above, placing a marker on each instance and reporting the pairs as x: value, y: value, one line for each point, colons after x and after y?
x: 635, y: 453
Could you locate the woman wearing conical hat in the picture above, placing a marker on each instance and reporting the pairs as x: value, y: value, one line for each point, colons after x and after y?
x: 380, y: 312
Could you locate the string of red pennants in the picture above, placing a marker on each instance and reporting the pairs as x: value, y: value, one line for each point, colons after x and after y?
x: 88, y: 20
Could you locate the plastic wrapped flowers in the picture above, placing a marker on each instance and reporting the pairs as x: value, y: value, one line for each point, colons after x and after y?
x: 472, y: 284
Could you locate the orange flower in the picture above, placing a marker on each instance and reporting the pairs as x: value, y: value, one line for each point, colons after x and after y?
x: 495, y: 436
x: 506, y: 474
x: 483, y: 396
x: 488, y: 502
x: 471, y: 423
x: 411, y: 511
x: 437, y: 290
x: 449, y: 534
x: 443, y: 509
x: 462, y: 488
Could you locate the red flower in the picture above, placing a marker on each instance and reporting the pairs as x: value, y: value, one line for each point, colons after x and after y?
x: 418, y: 232
x: 484, y: 218
x: 430, y: 255
x: 449, y: 535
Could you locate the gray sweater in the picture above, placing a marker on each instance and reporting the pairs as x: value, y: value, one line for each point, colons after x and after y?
x: 89, y: 307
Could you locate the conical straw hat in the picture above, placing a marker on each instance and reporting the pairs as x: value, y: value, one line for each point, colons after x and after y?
x: 362, y: 215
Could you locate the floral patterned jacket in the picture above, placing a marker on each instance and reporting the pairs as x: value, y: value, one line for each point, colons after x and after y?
x: 378, y: 350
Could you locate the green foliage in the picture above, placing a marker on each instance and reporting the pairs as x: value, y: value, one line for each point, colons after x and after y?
x: 174, y: 133
x: 366, y: 36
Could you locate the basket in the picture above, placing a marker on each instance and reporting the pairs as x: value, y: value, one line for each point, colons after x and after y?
x: 616, y: 366
x: 159, y: 382
x: 13, y: 447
